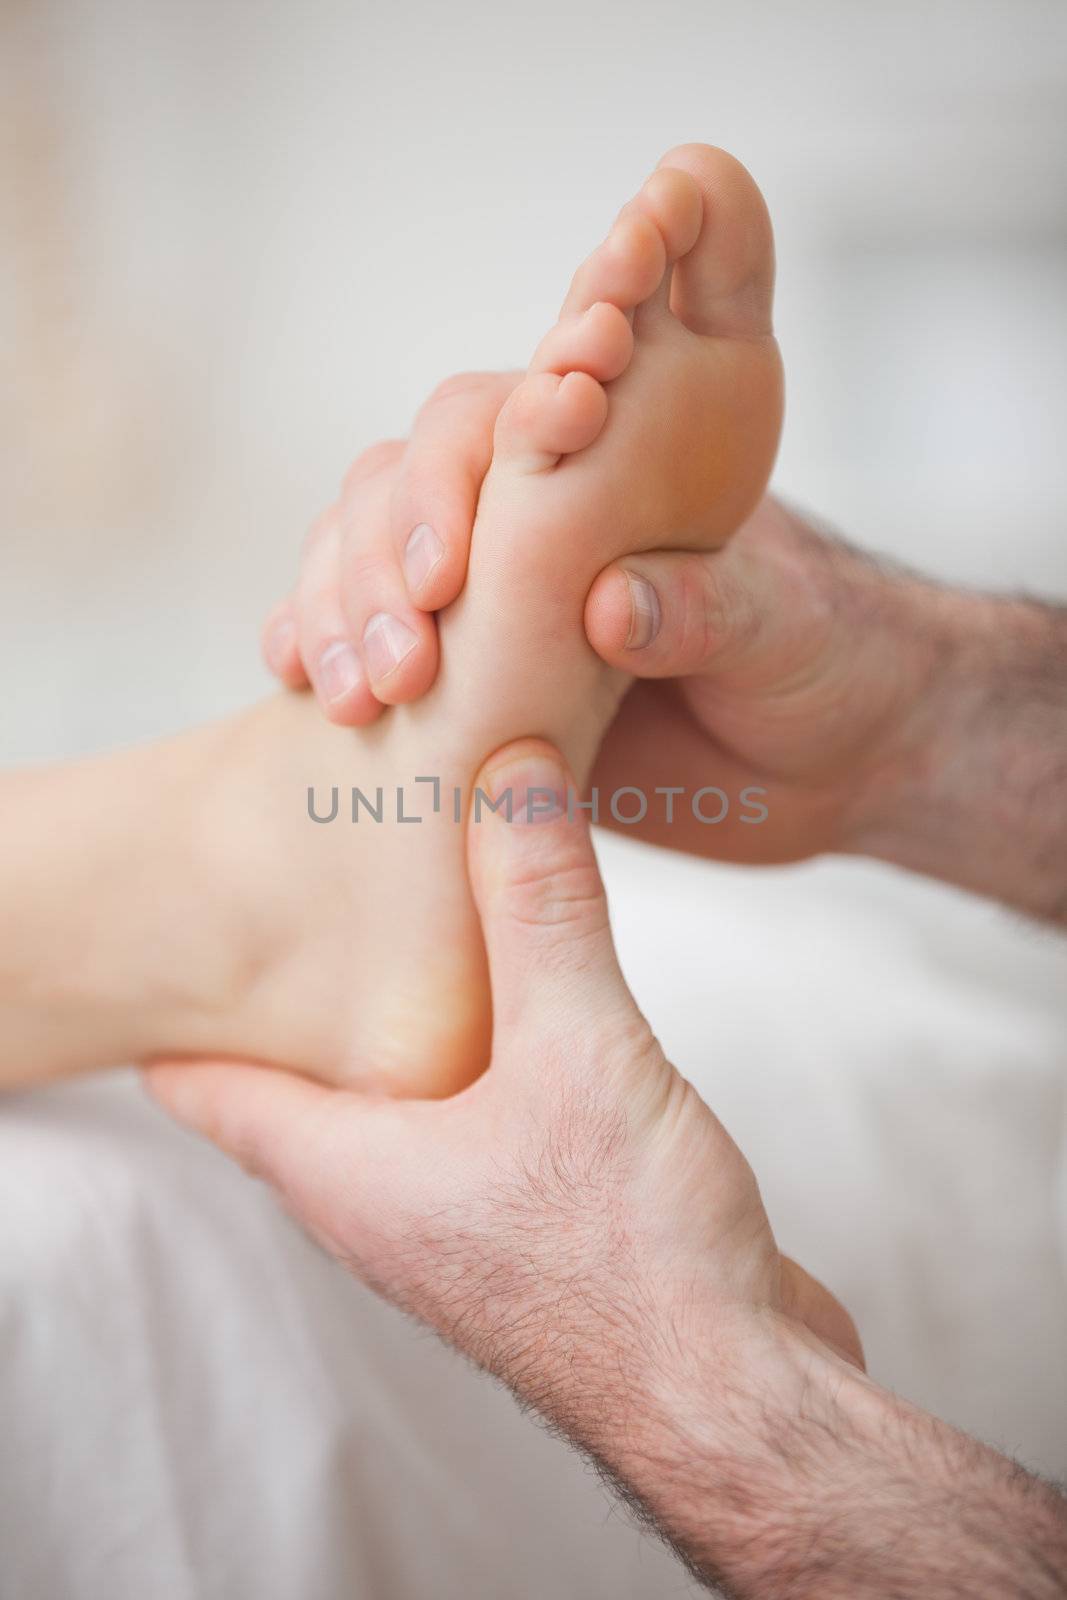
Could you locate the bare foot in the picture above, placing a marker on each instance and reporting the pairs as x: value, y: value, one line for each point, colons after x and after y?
x: 649, y: 416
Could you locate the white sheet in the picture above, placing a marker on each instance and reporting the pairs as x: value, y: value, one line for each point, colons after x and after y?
x: 196, y: 1403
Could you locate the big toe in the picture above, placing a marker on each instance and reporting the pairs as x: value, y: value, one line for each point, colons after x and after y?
x: 725, y: 283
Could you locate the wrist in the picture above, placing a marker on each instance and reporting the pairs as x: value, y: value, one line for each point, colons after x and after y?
x: 733, y: 1454
x: 923, y: 650
x: 791, y: 1474
x: 968, y: 784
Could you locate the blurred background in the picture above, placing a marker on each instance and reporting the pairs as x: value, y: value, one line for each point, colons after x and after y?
x: 239, y: 242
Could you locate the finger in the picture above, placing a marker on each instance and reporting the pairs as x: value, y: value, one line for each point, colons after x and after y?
x: 673, y: 614
x: 397, y: 642
x: 370, y: 463
x: 352, y: 1169
x: 540, y: 896
x: 329, y: 657
x: 279, y: 640
x: 436, y: 494
x: 243, y: 1109
x: 279, y: 647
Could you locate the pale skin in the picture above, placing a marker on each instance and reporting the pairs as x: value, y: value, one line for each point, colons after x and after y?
x: 720, y: 1346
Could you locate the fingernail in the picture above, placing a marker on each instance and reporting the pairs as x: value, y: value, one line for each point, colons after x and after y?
x: 278, y: 643
x: 339, y: 670
x: 645, y: 614
x: 421, y: 554
x: 532, y: 789
x: 386, y: 641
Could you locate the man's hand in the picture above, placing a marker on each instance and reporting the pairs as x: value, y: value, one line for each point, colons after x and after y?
x: 580, y: 1223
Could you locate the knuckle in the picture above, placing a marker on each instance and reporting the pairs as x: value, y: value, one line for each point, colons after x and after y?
x: 316, y: 627
x: 730, y: 622
x: 706, y: 613
x: 370, y: 462
x: 459, y: 385
x: 686, y: 640
x: 567, y: 901
x: 364, y: 567
x: 323, y: 527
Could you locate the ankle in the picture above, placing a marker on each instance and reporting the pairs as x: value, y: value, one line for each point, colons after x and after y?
x: 106, y: 949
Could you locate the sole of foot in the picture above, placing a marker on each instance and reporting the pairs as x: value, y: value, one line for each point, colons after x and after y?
x: 649, y: 418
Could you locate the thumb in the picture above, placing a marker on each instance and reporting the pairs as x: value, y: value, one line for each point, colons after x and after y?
x: 673, y: 614
x: 539, y: 893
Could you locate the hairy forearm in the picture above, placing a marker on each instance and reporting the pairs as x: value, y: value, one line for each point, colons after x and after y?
x: 776, y: 1469
x: 802, y: 1480
x: 976, y: 793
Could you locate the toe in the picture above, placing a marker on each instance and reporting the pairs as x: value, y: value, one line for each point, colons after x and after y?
x: 548, y: 417
x: 672, y: 200
x: 624, y: 270
x: 600, y: 342
x: 724, y: 284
